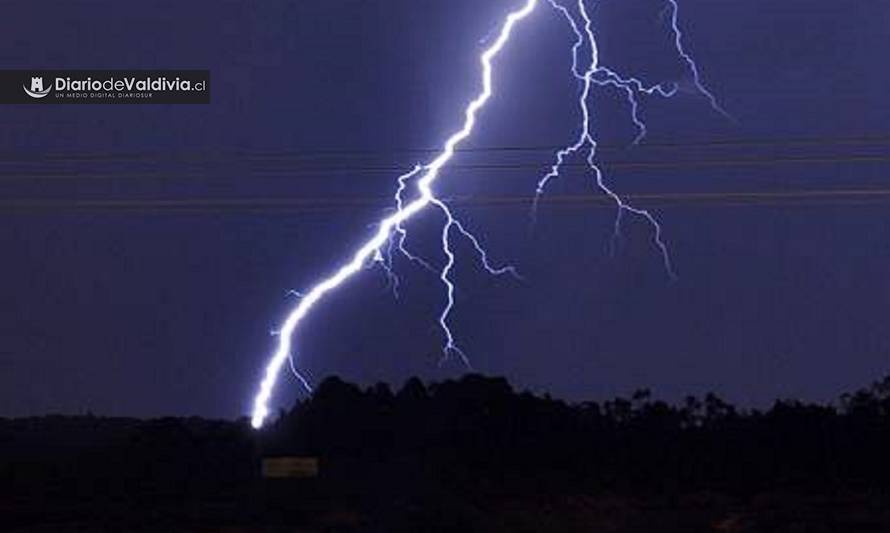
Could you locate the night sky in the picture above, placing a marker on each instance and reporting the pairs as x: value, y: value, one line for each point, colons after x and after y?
x: 146, y: 250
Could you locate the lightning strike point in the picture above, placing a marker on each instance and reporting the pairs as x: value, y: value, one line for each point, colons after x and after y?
x: 392, y: 223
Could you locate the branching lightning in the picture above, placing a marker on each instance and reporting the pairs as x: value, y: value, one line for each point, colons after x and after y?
x: 393, y: 223
x: 602, y: 76
x: 690, y: 63
x: 390, y: 236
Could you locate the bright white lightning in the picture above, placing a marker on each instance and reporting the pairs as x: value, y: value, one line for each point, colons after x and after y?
x: 597, y: 74
x: 391, y: 231
x: 372, y: 248
x: 586, y: 139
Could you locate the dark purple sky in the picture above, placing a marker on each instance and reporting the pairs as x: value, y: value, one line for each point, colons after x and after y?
x: 149, y: 310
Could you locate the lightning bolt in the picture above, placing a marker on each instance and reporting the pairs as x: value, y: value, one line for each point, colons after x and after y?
x: 586, y: 139
x: 394, y: 224
x: 602, y: 76
x: 690, y: 63
x: 391, y: 236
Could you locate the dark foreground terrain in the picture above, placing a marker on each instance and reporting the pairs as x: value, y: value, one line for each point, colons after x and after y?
x: 467, y: 455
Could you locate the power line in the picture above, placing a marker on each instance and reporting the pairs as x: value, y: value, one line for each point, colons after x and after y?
x: 330, y: 203
x: 320, y: 172
x: 342, y: 152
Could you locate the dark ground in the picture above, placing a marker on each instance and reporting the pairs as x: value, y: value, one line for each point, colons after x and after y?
x: 467, y: 455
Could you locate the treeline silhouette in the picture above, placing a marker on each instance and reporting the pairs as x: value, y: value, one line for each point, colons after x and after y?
x: 437, y: 450
x: 478, y: 432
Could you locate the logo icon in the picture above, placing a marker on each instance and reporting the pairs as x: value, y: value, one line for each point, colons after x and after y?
x: 37, y: 90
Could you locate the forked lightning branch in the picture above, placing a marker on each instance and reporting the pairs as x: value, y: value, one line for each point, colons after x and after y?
x: 391, y: 231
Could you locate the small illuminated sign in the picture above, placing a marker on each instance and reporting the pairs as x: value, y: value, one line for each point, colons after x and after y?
x: 290, y: 467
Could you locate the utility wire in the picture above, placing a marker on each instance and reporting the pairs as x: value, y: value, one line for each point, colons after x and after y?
x: 330, y: 203
x: 314, y: 152
x: 319, y: 172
